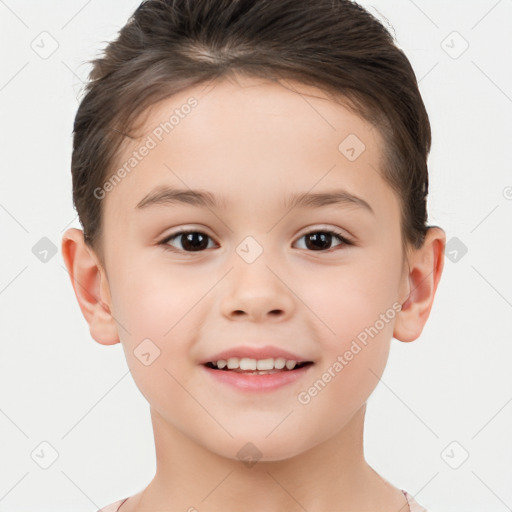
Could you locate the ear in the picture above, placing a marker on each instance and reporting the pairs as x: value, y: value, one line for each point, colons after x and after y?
x: 424, y: 271
x: 91, y: 287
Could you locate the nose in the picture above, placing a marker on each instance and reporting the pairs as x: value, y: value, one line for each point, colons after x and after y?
x: 256, y: 292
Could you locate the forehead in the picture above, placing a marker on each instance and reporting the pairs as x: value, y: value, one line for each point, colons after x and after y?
x: 242, y: 135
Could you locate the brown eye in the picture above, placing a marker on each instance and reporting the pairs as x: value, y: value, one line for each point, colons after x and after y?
x: 322, y: 240
x: 196, y: 241
x: 190, y: 241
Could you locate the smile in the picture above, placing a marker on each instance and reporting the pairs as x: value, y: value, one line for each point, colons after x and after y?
x: 256, y: 366
x: 256, y: 375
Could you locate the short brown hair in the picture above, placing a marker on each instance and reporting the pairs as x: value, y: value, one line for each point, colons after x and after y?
x: 170, y: 45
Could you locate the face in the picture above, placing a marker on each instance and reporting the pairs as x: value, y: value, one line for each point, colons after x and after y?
x: 318, y: 279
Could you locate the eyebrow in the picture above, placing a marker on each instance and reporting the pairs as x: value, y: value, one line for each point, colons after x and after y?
x: 168, y: 196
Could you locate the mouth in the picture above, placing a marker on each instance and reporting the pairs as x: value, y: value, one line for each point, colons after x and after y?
x: 257, y: 366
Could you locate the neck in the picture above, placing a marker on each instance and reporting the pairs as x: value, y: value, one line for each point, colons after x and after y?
x: 190, y: 477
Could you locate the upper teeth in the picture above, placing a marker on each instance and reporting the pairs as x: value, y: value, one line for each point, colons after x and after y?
x: 246, y: 363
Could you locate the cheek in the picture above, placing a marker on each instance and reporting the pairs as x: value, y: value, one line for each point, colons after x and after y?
x: 356, y: 309
x: 155, y: 325
x: 158, y: 320
x: 153, y: 302
x: 352, y: 363
x: 347, y: 299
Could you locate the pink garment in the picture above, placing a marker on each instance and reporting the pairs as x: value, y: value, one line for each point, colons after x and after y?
x: 114, y: 507
x: 414, y: 506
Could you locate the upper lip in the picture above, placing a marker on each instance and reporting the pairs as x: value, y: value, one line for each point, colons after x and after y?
x: 266, y: 352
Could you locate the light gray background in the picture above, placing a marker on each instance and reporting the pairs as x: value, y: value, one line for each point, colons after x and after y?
x: 443, y: 397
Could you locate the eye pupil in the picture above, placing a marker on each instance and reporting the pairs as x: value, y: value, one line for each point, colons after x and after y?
x: 189, y: 241
x: 323, y: 238
x: 197, y: 241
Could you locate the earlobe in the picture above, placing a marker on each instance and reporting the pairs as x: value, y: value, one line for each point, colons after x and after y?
x: 425, y: 268
x: 90, y: 285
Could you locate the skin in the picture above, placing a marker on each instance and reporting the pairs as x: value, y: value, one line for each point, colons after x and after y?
x: 255, y: 142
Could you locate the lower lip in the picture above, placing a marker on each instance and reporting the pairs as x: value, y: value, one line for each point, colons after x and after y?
x: 257, y: 383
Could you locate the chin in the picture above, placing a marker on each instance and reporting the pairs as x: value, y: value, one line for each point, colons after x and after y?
x: 251, y: 450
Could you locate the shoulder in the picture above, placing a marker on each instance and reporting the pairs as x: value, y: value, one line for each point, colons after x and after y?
x: 414, y: 506
x: 113, y: 507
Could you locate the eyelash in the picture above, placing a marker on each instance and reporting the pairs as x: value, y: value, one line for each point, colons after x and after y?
x: 165, y: 242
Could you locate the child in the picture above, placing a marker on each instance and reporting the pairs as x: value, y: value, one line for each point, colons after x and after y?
x: 218, y: 141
